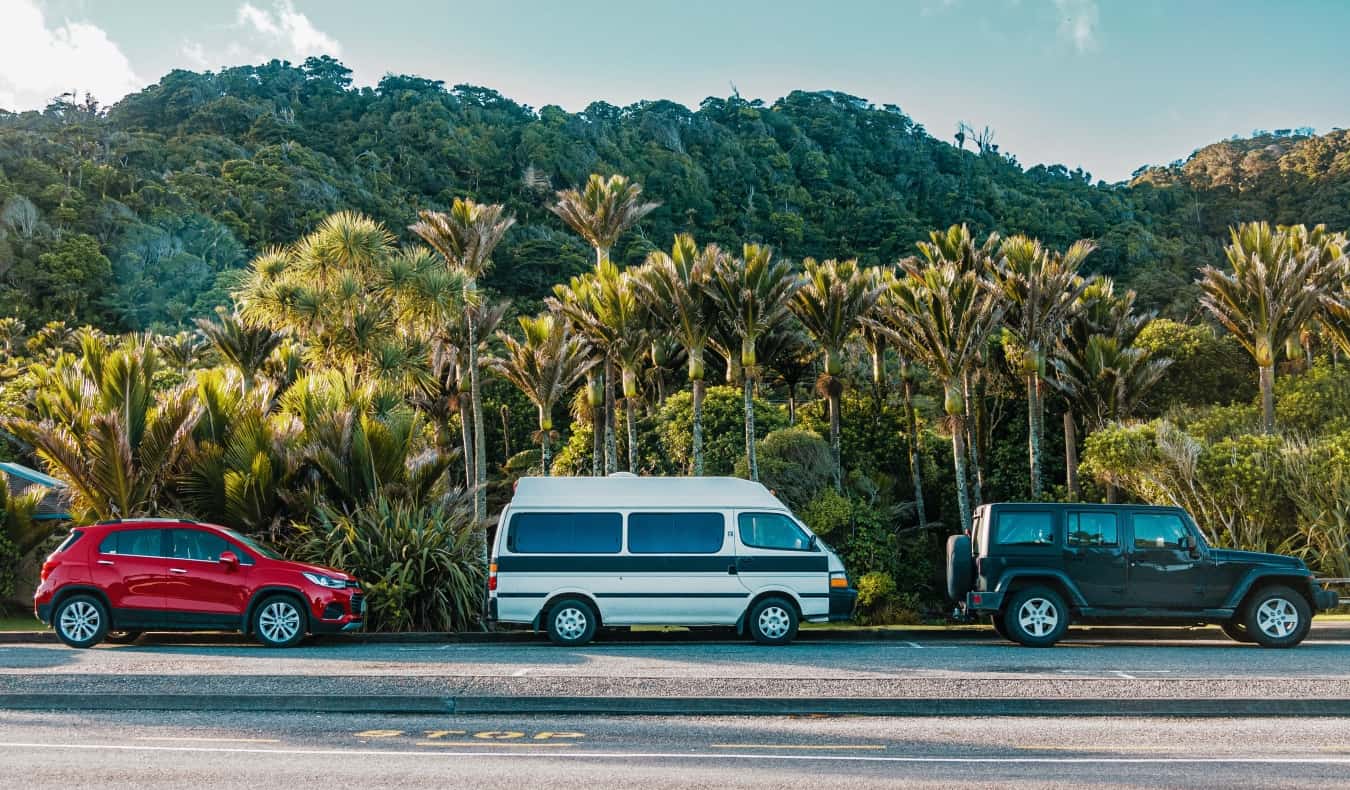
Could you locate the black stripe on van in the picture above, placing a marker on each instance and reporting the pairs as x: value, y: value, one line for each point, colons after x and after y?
x: 656, y: 595
x: 573, y: 563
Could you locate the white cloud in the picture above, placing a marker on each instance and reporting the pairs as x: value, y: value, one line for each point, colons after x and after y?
x: 1078, y: 23
x: 38, y: 62
x: 287, y: 32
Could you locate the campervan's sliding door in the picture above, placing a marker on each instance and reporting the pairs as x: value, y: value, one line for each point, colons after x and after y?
x: 676, y: 570
x: 774, y: 553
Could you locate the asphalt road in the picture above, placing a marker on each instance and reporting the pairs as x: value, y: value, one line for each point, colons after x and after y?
x: 174, y: 750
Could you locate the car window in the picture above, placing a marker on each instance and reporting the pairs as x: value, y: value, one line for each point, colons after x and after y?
x: 772, y: 531
x: 134, y: 543
x: 565, y: 533
x: 675, y: 533
x: 1025, y: 528
x: 1158, y: 530
x: 253, y: 546
x: 1092, y: 529
x: 196, y: 544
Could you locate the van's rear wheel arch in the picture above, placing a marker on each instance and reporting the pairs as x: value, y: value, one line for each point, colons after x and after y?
x: 540, y: 619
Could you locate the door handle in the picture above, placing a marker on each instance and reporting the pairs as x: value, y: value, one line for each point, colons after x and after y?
x: 177, y: 570
x: 105, y: 562
x: 731, y: 569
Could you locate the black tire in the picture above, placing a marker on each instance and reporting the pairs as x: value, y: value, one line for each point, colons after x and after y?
x: 123, y: 637
x: 999, y: 628
x: 1237, y: 632
x: 960, y: 567
x: 572, y: 622
x: 1277, y: 616
x: 279, y: 621
x: 1046, y: 615
x: 773, y: 621
x: 81, y: 621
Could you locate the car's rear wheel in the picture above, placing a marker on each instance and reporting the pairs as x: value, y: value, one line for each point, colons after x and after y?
x: 1036, y: 617
x: 123, y: 637
x: 773, y: 621
x: 1277, y: 616
x: 279, y: 622
x: 81, y: 621
x: 1237, y: 632
x: 572, y: 622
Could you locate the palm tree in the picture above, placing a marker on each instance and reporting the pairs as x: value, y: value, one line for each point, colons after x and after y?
x: 241, y: 344
x: 1041, y: 288
x: 678, y: 290
x: 100, y: 429
x: 543, y: 365
x: 466, y: 237
x: 600, y: 213
x: 791, y: 356
x: 754, y: 292
x: 941, y: 316
x: 1279, y: 279
x: 831, y: 302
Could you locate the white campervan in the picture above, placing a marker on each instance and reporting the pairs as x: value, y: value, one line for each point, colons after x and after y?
x: 573, y: 554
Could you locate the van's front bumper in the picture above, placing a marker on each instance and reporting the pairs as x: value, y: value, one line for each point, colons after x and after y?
x: 841, y: 603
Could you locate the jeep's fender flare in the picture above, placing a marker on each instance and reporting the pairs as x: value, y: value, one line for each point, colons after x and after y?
x: 1301, y: 580
x: 1075, y: 595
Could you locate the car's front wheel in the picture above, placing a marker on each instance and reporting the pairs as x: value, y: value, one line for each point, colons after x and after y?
x: 1036, y: 617
x: 1278, y: 617
x: 773, y: 621
x: 572, y: 622
x: 279, y: 622
x: 81, y: 621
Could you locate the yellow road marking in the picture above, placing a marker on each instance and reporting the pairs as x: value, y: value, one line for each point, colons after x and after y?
x: 207, y: 740
x: 499, y: 735
x: 544, y: 736
x: 526, y: 745
x: 379, y: 734
x: 442, y: 733
x: 857, y: 746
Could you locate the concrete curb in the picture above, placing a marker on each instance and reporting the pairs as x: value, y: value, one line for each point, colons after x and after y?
x: 1333, y: 632
x: 682, y: 706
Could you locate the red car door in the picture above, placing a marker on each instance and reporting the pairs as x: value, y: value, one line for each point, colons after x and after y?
x: 130, y: 567
x: 201, y: 591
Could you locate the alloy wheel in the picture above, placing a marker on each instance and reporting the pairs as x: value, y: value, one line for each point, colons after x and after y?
x: 1277, y: 618
x: 774, y: 622
x: 80, y: 621
x: 1038, y: 617
x: 279, y: 622
x: 570, y: 623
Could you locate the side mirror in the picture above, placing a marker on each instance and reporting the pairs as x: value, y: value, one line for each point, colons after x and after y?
x: 812, y: 544
x: 230, y: 560
x: 1184, y: 542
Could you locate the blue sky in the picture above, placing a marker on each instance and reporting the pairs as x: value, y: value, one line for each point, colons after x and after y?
x: 1104, y: 84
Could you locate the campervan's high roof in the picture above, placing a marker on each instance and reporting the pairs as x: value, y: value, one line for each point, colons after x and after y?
x: 625, y: 491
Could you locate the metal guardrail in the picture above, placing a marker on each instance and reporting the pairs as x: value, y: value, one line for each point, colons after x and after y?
x: 1345, y: 600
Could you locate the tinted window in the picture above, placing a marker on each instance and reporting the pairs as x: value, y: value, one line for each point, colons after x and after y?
x: 772, y: 531
x: 196, y: 544
x: 565, y: 533
x: 252, y: 545
x: 675, y: 533
x: 1092, y: 529
x: 1026, y: 529
x: 134, y: 542
x: 69, y: 541
x: 1158, y: 530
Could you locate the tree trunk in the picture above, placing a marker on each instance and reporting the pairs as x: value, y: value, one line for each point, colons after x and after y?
x: 835, y: 454
x: 543, y: 452
x: 750, y: 429
x: 598, y: 441
x: 698, y: 427
x: 792, y: 405
x: 631, y: 417
x: 506, y: 431
x: 1034, y: 433
x: 915, y: 462
x: 959, y: 459
x: 967, y: 423
x: 466, y: 430
x: 1071, y: 456
x: 479, y: 458
x: 611, y: 442
x: 1268, y: 397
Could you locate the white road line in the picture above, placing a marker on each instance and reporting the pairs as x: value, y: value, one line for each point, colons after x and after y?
x: 915, y: 645
x: 206, y: 740
x: 520, y: 673
x: 1008, y: 759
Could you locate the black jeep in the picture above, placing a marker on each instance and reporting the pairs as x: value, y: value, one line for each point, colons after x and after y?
x: 1036, y: 567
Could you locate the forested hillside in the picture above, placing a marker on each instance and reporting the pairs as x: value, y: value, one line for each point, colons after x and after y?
x: 136, y: 216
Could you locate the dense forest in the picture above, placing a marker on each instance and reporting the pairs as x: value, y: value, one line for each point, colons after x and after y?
x: 137, y: 216
x: 345, y: 320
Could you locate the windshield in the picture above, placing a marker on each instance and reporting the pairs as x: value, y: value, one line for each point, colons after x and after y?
x: 253, y: 545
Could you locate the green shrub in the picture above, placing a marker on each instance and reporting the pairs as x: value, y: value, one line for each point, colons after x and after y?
x: 723, y: 428
x: 829, y: 515
x: 874, y: 588
x: 794, y: 463
x: 419, y: 562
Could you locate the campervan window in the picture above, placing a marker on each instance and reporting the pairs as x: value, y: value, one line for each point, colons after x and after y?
x: 675, y: 533
x: 565, y: 533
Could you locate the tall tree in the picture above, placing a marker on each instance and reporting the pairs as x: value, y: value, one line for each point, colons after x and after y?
x: 544, y: 364
x: 241, y: 344
x: 941, y: 315
x: 831, y: 302
x: 1279, y: 279
x: 1041, y: 288
x: 678, y: 290
x: 465, y: 237
x: 754, y: 292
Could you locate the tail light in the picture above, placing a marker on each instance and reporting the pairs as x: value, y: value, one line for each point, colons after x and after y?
x: 492, y: 576
x: 47, y: 568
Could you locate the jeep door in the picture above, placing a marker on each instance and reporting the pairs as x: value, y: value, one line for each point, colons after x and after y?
x: 773, y: 552
x: 1163, y: 574
x: 1094, y: 557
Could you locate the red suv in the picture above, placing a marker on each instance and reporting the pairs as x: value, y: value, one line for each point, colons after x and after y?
x: 116, y: 580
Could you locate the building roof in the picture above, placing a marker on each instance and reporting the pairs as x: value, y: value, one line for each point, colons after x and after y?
x: 55, y: 505
x: 627, y: 491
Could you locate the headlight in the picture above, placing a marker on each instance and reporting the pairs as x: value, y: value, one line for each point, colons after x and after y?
x: 325, y: 581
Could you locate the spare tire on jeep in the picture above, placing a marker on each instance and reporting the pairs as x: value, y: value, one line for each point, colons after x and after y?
x: 960, y: 567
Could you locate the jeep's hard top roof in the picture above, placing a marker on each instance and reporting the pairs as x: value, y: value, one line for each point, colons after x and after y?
x: 678, y: 493
x: 1078, y: 506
